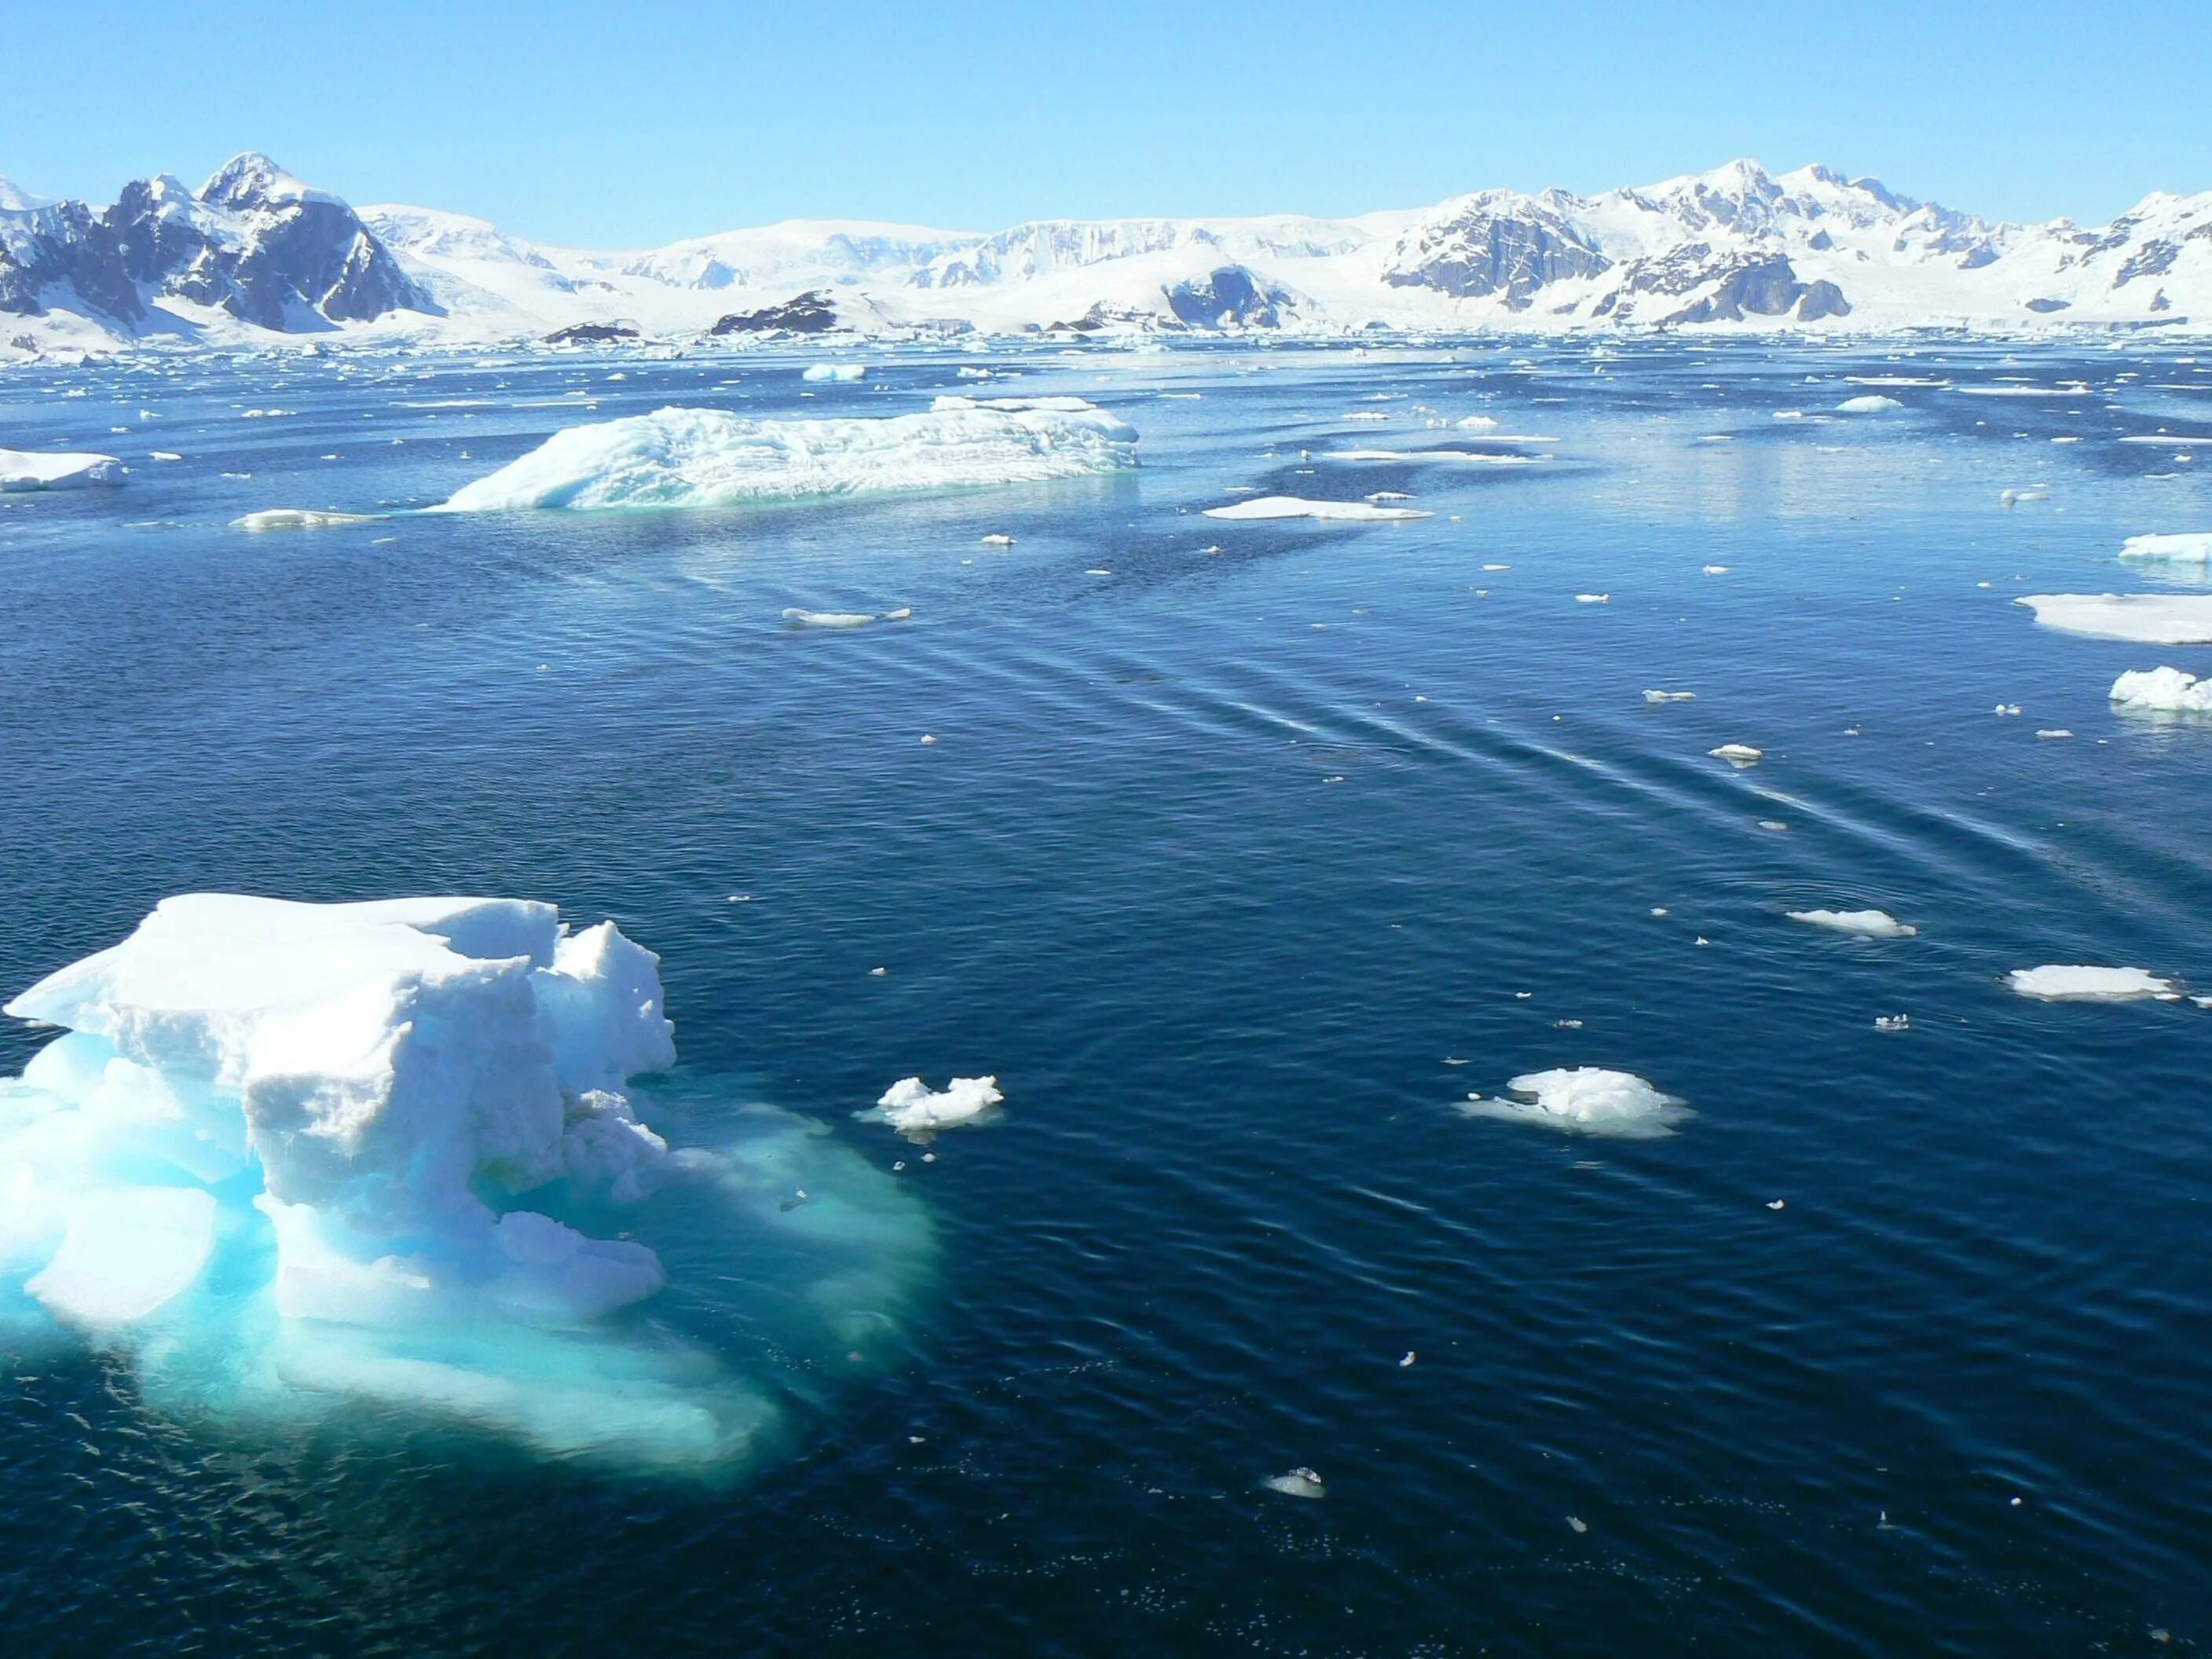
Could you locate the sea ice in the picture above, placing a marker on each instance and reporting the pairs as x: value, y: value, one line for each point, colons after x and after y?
x: 21, y: 470
x: 1738, y: 755
x: 1587, y: 1099
x: 2054, y: 982
x: 299, y: 518
x: 801, y: 618
x: 1866, y: 924
x: 1670, y: 696
x: 1297, y: 1483
x: 2185, y: 547
x: 834, y: 372
x: 1874, y: 404
x: 1417, y: 455
x: 917, y: 1111
x: 1293, y: 507
x: 2141, y: 618
x: 706, y: 457
x: 2163, y: 691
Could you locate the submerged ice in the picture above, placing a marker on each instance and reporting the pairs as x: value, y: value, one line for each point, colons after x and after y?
x: 290, y: 1155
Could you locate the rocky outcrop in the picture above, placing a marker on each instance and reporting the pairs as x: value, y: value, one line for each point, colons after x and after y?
x: 1493, y: 243
x: 591, y: 334
x: 811, y: 313
x: 1230, y: 297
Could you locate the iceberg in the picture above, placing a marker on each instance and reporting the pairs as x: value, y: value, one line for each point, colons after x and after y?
x: 2162, y: 691
x: 2059, y: 982
x: 1415, y: 456
x: 1738, y: 755
x: 1587, y: 1100
x: 707, y: 458
x: 1294, y: 507
x: 917, y: 1111
x: 834, y: 372
x: 1866, y: 924
x: 2139, y: 618
x: 1873, y: 403
x: 289, y: 1156
x: 23, y: 469
x: 299, y: 518
x: 2184, y: 547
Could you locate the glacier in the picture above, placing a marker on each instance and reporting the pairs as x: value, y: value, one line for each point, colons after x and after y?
x: 707, y: 458
x: 294, y: 1159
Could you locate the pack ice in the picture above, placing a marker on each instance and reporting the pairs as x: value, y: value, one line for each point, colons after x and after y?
x: 708, y: 458
x: 280, y: 1153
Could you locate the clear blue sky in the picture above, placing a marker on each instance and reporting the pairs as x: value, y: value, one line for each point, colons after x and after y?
x: 606, y: 126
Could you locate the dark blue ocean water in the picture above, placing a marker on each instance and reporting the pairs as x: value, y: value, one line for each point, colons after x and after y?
x: 1232, y: 838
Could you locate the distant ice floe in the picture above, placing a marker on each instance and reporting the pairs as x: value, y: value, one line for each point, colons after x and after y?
x: 834, y: 372
x: 2169, y: 439
x: 1297, y: 1483
x: 1738, y: 755
x: 2186, y: 547
x: 299, y: 518
x: 1475, y: 422
x: 2162, y: 691
x: 946, y: 402
x: 26, y: 470
x: 1586, y: 1100
x: 1866, y: 924
x: 2139, y: 618
x: 2055, y: 982
x: 707, y: 458
x: 1656, y: 697
x: 1468, y: 456
x: 2073, y: 389
x: 1295, y: 507
x: 290, y: 1160
x: 1873, y: 403
x: 917, y: 1111
x: 801, y: 618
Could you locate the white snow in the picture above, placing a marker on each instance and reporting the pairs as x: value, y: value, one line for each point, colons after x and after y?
x: 2187, y: 547
x: 706, y: 457
x: 24, y: 469
x: 917, y: 1111
x: 2054, y: 982
x: 2141, y: 618
x: 1587, y: 1099
x: 1870, y: 404
x: 1293, y: 507
x: 1866, y: 924
x: 2163, y: 691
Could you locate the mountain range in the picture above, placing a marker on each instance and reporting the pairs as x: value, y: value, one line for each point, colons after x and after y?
x: 255, y: 253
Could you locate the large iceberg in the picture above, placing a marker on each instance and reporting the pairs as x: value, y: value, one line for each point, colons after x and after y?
x: 2162, y: 691
x: 287, y: 1155
x: 708, y: 458
x: 2141, y: 618
x: 30, y: 469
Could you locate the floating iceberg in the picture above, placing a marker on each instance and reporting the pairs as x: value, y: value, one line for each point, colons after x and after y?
x: 2055, y: 982
x: 1866, y: 924
x: 1294, y: 507
x: 1738, y: 755
x: 2141, y: 618
x: 917, y: 1111
x: 2163, y: 691
x: 2185, y: 547
x: 834, y: 372
x: 1656, y: 697
x: 1586, y: 1099
x: 299, y: 518
x: 23, y: 469
x: 289, y: 1157
x: 706, y: 457
x: 1874, y: 404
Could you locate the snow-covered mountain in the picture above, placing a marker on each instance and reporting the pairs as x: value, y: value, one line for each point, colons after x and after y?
x: 256, y: 250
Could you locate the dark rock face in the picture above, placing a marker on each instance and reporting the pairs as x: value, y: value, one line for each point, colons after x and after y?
x: 590, y: 334
x: 2044, y: 307
x: 1226, y: 297
x: 1482, y: 253
x: 1748, y: 286
x: 810, y: 312
x: 254, y: 243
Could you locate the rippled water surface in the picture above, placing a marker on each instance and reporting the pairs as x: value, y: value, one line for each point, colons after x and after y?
x: 1243, y: 852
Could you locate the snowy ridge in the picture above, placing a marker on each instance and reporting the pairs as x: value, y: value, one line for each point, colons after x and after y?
x: 256, y: 250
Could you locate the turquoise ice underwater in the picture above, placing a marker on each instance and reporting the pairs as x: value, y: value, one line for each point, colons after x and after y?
x: 1244, y: 851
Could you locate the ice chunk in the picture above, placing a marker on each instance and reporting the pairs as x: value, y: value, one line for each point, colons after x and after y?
x: 2186, y: 547
x: 917, y: 1111
x: 2162, y: 691
x: 1586, y: 1099
x: 1873, y: 403
x: 1297, y: 1483
x: 1417, y: 455
x: 1293, y: 507
x: 1670, y: 696
x: 1738, y: 755
x: 128, y: 1251
x: 21, y: 470
x: 834, y: 372
x: 2141, y: 618
x: 2054, y: 982
x: 1866, y: 924
x: 299, y: 518
x: 953, y: 400
x: 706, y: 457
x: 830, y: 618
x: 1593, y: 598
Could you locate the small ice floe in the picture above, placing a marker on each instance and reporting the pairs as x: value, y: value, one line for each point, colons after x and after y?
x: 1892, y: 1022
x: 2007, y: 708
x: 1593, y: 598
x: 1299, y: 1483
x: 1788, y: 413
x: 2162, y: 691
x: 1777, y: 1204
x: 1775, y: 825
x: 2050, y: 732
x: 798, y: 618
x: 1717, y: 570
x: 1738, y: 755
x: 1578, y: 1523
x: 997, y: 541
x: 1866, y: 924
x: 2054, y: 982
x: 1498, y: 566
x: 1410, y: 456
x: 1388, y: 495
x: 2139, y: 618
x: 1475, y: 422
x: 1873, y: 403
x: 301, y: 518
x: 1670, y: 696
x: 833, y: 372
x: 22, y: 469
x: 1585, y: 1099
x: 1294, y: 507
x: 2188, y: 547
x: 917, y: 1111
x: 1659, y: 910
x: 2016, y: 497
x: 1367, y: 415
x: 2178, y: 440
x: 1408, y: 1360
x: 1567, y: 1024
x: 164, y: 455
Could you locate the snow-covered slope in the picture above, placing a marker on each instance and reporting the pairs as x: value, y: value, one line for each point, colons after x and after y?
x: 1738, y: 247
